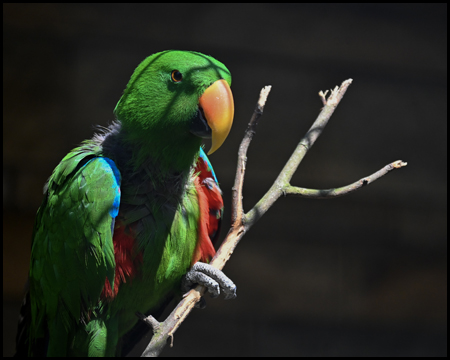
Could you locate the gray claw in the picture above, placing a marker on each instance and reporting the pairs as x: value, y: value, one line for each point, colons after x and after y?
x: 231, y: 294
x: 210, y: 277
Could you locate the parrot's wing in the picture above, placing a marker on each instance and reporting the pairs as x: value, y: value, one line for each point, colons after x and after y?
x: 72, y: 249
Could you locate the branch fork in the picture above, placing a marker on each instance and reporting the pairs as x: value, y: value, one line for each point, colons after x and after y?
x: 242, y: 222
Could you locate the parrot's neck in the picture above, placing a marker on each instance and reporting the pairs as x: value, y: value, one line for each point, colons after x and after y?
x: 163, y: 156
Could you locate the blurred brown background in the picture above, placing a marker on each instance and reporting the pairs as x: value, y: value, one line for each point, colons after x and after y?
x: 364, y: 274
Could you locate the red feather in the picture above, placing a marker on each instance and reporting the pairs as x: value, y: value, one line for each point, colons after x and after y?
x: 210, y: 209
x: 127, y: 262
x: 211, y: 205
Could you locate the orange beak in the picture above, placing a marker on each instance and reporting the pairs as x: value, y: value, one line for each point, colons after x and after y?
x: 218, y: 106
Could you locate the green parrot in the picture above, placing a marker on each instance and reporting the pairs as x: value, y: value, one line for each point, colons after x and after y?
x: 129, y: 218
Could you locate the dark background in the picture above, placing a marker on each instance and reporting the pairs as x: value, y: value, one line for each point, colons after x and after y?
x: 364, y: 274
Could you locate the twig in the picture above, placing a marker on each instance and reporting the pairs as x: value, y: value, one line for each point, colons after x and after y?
x: 332, y: 193
x: 241, y: 222
x: 151, y: 321
x: 282, y: 182
x: 237, y: 208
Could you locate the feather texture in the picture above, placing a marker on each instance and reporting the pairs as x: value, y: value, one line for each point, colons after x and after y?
x: 124, y: 216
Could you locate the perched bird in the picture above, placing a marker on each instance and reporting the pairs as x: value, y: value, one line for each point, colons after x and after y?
x: 128, y: 214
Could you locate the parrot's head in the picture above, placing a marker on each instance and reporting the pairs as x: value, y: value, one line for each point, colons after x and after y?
x: 176, y: 98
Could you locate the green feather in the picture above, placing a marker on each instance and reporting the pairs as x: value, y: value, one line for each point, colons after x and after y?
x: 150, y: 153
x: 154, y: 110
x: 71, y: 245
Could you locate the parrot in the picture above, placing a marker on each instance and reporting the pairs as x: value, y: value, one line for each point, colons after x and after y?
x: 130, y: 217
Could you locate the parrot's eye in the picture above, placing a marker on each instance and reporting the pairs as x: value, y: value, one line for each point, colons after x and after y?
x: 177, y: 76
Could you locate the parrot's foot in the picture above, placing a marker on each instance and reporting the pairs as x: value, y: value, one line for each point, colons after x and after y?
x: 210, y: 277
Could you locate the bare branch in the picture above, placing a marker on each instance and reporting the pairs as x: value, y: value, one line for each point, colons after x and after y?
x: 237, y: 208
x: 335, y: 192
x: 299, y: 153
x: 241, y: 222
x: 150, y: 320
x: 322, y: 96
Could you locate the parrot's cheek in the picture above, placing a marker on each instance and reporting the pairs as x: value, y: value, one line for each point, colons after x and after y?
x: 199, y: 126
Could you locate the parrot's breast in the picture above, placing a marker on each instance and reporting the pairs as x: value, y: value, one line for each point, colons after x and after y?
x: 166, y: 223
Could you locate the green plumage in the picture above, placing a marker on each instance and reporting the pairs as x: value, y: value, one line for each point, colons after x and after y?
x: 161, y: 109
x: 135, y: 182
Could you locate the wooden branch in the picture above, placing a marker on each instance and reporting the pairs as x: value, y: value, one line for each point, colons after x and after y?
x: 237, y: 207
x: 332, y: 193
x: 242, y: 222
x: 282, y: 182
